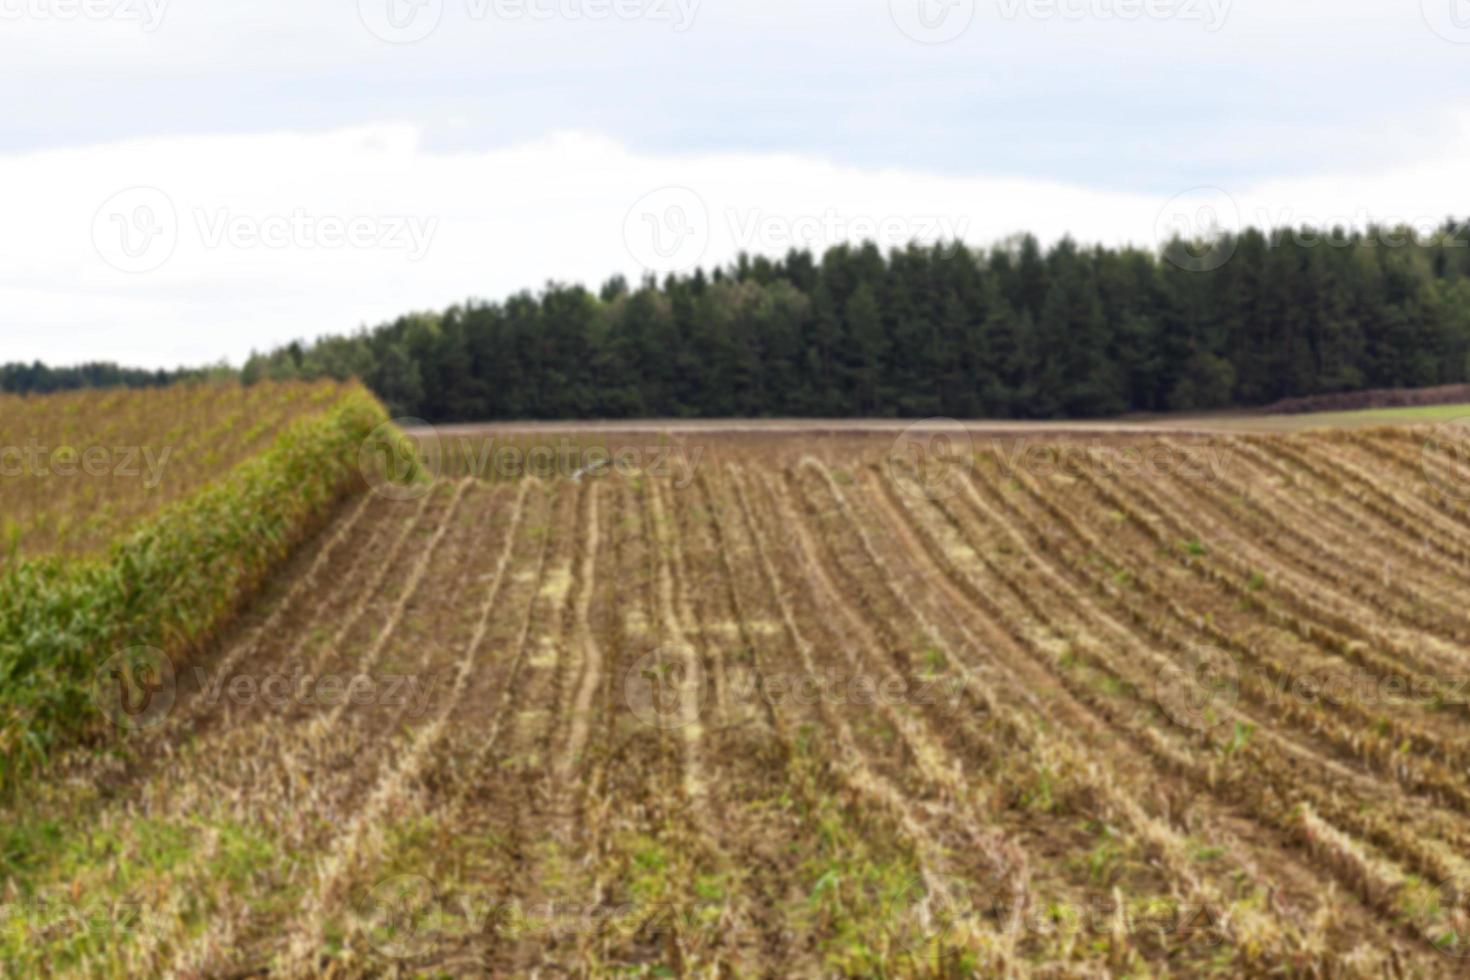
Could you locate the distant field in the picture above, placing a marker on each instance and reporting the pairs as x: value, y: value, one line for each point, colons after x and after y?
x: 1344, y: 420
x: 868, y: 705
x: 78, y: 470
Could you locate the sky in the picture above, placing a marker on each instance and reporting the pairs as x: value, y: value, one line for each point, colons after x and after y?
x: 186, y: 181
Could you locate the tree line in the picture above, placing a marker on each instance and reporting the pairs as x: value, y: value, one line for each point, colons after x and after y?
x: 1013, y: 331
x: 37, y: 378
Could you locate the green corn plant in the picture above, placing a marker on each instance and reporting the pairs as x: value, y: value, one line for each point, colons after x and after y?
x: 173, y: 583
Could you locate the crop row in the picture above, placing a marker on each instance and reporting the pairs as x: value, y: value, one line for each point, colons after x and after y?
x: 170, y: 584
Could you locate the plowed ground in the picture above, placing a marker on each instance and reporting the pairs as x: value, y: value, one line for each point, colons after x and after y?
x: 824, y: 709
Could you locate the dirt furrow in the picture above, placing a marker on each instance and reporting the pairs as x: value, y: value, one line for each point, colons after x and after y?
x: 517, y: 755
x: 433, y: 892
x: 1398, y: 506
x: 396, y: 788
x: 869, y: 861
x: 1279, y: 758
x: 1355, y: 575
x: 261, y: 634
x: 1274, y: 666
x: 1314, y: 606
x: 590, y: 669
x: 1333, y: 525
x: 307, y: 785
x: 1136, y: 638
x: 1436, y: 456
x: 682, y: 667
x: 1128, y: 792
x: 1132, y: 868
x: 869, y: 772
x: 368, y: 662
x: 1382, y: 677
x: 1221, y: 771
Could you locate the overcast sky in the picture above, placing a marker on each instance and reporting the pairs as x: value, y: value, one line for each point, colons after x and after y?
x: 184, y: 180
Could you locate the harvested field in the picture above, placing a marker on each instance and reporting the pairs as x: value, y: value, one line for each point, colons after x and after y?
x: 796, y: 706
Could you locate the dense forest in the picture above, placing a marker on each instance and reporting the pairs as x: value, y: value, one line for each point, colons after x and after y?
x: 1016, y: 331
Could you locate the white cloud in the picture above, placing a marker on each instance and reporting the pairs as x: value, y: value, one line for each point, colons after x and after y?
x: 269, y: 237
